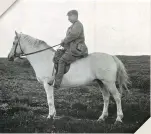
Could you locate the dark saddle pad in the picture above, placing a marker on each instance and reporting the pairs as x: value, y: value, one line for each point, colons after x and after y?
x: 67, y: 67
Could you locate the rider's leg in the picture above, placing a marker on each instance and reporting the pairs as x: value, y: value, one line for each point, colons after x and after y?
x: 67, y: 58
x: 60, y: 72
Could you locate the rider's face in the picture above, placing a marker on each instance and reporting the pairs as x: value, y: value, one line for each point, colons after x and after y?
x: 72, y: 18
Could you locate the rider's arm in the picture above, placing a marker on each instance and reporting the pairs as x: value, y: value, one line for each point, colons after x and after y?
x: 74, y: 33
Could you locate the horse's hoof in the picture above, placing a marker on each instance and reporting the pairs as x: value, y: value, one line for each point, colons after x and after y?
x: 118, y: 123
x: 50, y: 117
x: 101, y: 120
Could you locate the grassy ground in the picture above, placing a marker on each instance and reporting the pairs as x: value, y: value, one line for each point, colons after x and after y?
x: 23, y: 105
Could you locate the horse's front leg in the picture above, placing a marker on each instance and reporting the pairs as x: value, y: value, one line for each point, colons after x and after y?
x: 50, y: 99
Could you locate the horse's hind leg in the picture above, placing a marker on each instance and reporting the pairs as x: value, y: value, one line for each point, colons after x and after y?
x: 117, y: 97
x: 106, y: 97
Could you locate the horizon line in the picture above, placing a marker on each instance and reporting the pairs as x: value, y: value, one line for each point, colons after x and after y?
x: 111, y: 54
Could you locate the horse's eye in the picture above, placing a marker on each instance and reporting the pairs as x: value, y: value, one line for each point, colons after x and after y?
x: 13, y: 43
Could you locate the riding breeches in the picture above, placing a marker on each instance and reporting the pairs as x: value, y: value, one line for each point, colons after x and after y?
x: 66, y: 58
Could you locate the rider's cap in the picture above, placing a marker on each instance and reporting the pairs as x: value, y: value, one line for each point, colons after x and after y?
x: 71, y: 12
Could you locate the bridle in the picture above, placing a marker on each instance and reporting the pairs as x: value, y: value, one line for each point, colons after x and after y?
x: 18, y: 44
x: 25, y: 54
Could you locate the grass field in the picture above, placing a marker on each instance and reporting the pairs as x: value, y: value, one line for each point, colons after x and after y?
x: 23, y: 105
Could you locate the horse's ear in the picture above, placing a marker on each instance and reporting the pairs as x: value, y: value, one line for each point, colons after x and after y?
x: 16, y: 33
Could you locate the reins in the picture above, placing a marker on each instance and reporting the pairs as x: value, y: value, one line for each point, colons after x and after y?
x: 39, y: 50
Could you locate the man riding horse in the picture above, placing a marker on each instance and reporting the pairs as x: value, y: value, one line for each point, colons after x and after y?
x: 73, y: 47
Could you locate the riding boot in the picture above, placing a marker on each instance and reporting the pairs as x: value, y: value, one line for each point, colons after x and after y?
x: 60, y: 73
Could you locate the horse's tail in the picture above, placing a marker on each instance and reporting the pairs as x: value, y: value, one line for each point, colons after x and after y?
x: 122, y: 76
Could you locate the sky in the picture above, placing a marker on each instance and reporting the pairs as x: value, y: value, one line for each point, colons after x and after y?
x: 118, y: 27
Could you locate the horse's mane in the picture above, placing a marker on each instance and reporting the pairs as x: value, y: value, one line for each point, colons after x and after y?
x: 35, y: 42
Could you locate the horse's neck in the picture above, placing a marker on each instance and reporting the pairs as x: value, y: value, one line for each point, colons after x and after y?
x: 40, y: 57
x: 42, y: 61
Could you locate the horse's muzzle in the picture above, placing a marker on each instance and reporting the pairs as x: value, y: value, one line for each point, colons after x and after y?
x: 10, y: 58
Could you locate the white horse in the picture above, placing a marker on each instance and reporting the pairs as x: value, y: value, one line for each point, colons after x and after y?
x: 104, y: 68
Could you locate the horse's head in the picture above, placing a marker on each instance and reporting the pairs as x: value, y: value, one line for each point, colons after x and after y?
x: 16, y: 49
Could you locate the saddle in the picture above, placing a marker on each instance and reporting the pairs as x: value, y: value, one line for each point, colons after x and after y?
x: 67, y: 66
